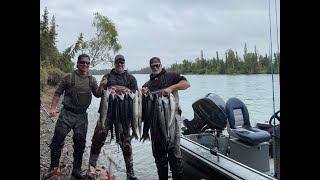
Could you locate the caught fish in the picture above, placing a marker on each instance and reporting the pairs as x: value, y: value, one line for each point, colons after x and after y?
x: 121, y: 96
x: 139, y: 112
x: 146, y: 115
x: 110, y: 115
x: 118, y: 89
x: 134, y: 114
x: 158, y: 92
x: 132, y: 95
x: 166, y: 107
x: 172, y: 108
x: 172, y: 120
x: 124, y: 113
x: 161, y: 117
x: 116, y: 118
x: 103, y: 109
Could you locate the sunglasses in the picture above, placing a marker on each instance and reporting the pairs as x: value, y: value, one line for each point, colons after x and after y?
x: 84, y: 62
x: 119, y: 62
x: 155, y: 65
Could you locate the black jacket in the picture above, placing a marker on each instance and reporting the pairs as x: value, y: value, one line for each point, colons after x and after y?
x: 163, y: 80
x: 123, y: 79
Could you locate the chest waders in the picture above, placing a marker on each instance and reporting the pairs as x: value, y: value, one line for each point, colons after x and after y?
x: 73, y: 116
x: 80, y: 96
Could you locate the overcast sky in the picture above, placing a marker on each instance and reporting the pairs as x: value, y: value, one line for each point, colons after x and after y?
x: 173, y: 30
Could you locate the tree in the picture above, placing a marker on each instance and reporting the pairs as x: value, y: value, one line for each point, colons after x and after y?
x: 44, y: 31
x: 66, y: 64
x: 231, y: 62
x: 49, y: 53
x: 105, y: 41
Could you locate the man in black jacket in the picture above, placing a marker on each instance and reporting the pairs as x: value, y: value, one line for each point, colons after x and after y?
x: 170, y: 82
x: 119, y: 77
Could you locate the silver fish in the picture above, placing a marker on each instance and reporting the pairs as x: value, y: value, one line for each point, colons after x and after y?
x: 135, y: 106
x: 104, y: 107
x: 111, y: 121
x: 146, y: 118
x: 172, y: 108
x: 139, y: 112
x: 132, y: 95
x: 119, y: 89
x: 165, y: 103
x: 172, y: 120
x: 120, y: 95
x: 158, y: 92
x: 161, y: 117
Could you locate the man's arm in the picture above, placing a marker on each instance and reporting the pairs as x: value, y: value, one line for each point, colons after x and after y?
x: 102, y: 84
x: 182, y: 85
x: 100, y: 89
x: 55, y: 99
x: 54, y: 103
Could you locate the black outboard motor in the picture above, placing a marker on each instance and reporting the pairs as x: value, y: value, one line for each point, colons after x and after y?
x: 208, y: 111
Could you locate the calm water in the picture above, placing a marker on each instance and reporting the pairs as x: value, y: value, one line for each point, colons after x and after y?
x: 254, y: 90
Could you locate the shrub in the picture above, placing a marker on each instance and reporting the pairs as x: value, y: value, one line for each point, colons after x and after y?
x: 43, y: 77
x: 55, y: 75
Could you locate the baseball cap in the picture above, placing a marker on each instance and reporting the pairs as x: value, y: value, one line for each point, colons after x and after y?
x: 118, y: 58
x: 155, y: 60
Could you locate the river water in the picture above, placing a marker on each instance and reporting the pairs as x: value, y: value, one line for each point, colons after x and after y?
x: 256, y: 91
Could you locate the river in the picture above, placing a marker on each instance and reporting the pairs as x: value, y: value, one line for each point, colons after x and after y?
x: 256, y: 91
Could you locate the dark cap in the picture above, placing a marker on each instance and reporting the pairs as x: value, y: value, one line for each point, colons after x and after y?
x: 119, y: 57
x: 155, y: 60
x: 83, y: 56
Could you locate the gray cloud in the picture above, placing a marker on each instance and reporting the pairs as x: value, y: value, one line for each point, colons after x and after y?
x: 171, y: 30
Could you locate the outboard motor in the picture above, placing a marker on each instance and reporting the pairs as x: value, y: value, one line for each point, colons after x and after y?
x: 208, y: 111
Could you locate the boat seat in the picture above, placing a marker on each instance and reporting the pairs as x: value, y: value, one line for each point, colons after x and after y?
x: 239, y: 125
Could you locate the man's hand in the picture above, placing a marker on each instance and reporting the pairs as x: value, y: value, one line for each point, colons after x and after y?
x: 144, y: 90
x: 113, y: 90
x: 52, y: 112
x: 126, y: 91
x: 167, y: 91
x: 103, y: 81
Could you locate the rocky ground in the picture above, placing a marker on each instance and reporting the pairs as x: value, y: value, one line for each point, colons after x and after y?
x: 46, y: 133
x: 144, y: 165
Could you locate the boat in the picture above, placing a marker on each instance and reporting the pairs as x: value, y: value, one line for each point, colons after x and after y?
x: 220, y: 143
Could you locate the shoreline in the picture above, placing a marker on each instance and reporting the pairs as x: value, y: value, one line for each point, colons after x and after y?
x: 46, y: 133
x: 143, y: 160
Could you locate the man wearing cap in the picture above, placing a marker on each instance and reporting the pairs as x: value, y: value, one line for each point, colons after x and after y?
x: 120, y: 77
x: 170, y: 82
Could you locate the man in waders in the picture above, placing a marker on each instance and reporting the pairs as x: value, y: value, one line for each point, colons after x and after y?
x: 77, y: 88
x: 170, y: 82
x: 117, y: 77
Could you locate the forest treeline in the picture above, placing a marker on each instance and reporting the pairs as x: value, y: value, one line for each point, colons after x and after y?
x: 101, y: 48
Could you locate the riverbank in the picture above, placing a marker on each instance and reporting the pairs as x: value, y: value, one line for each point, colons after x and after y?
x: 46, y: 133
x: 144, y: 165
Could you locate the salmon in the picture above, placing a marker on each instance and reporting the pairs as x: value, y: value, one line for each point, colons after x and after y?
x: 103, y: 109
x: 134, y: 115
